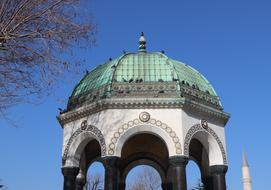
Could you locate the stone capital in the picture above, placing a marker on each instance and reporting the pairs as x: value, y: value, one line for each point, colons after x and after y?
x: 218, y: 169
x: 178, y: 161
x: 111, y: 161
x: 70, y: 171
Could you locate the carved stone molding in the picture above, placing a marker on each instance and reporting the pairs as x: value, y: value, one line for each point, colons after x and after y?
x: 139, y: 103
x: 197, y: 128
x: 85, y: 128
x: 136, y: 122
x: 203, y: 97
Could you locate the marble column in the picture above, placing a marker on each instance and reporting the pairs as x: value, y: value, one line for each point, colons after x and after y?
x: 165, y: 186
x: 122, y: 186
x: 176, y: 175
x: 112, y: 173
x: 69, y: 174
x: 218, y: 173
x: 80, y: 183
x: 207, y: 182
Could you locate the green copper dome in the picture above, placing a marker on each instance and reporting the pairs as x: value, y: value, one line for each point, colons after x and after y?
x: 143, y: 74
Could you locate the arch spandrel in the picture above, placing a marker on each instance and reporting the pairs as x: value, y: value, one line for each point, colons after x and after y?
x: 145, y: 124
x: 211, y: 142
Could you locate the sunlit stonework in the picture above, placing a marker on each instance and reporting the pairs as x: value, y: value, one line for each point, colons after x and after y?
x: 144, y: 107
x: 144, y: 116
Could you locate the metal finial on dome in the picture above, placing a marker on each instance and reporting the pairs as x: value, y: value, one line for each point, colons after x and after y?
x: 142, y: 43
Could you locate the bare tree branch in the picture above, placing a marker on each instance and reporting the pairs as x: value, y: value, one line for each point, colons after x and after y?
x: 94, y: 182
x: 148, y: 179
x: 37, y: 40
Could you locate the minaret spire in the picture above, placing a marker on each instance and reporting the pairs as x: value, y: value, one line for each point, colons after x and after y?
x: 246, y: 174
x: 245, y: 162
x: 142, y: 43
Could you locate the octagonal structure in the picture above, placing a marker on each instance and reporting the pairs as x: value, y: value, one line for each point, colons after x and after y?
x: 137, y: 98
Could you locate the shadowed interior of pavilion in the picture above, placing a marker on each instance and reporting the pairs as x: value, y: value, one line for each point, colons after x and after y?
x: 143, y: 149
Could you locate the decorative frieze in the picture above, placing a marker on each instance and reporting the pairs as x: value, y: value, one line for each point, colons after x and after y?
x: 139, y: 103
x: 140, y: 88
x: 137, y: 122
x: 203, y: 97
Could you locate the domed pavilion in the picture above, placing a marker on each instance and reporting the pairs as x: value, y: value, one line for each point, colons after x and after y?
x: 144, y: 108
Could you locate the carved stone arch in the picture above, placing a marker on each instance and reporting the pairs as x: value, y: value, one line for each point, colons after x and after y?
x: 202, y: 128
x: 147, y: 124
x: 86, y: 131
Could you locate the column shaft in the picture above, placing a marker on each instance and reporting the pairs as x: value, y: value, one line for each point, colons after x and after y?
x: 218, y: 173
x: 69, y: 174
x: 177, y: 173
x: 80, y: 183
x: 112, y: 173
x: 207, y: 182
x: 122, y: 186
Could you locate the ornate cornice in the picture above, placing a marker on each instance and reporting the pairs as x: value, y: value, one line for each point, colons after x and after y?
x: 193, y: 94
x: 139, y: 103
x: 138, y: 88
x: 193, y: 105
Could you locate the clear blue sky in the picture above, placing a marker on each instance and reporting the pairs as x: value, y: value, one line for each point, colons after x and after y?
x: 227, y: 41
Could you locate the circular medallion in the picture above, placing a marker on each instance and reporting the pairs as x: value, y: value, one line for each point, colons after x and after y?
x: 116, y: 135
x: 153, y: 121
x: 168, y: 129
x: 176, y: 139
x: 173, y: 134
x: 112, y: 146
x: 120, y: 130
x: 164, y: 126
x: 158, y: 123
x: 84, y: 125
x: 110, y: 152
x: 144, y: 116
x: 204, y: 124
x: 130, y: 123
x: 178, y: 151
x: 125, y: 126
x: 136, y: 121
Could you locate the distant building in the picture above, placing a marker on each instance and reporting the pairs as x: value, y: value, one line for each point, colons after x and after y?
x: 246, y: 174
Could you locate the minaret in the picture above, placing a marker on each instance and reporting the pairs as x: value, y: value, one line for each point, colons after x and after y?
x: 246, y: 174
